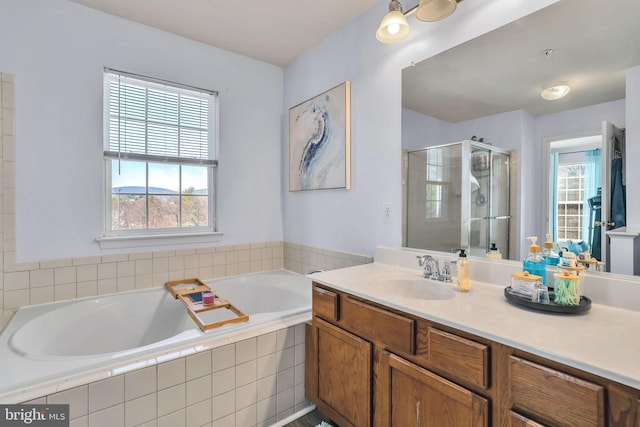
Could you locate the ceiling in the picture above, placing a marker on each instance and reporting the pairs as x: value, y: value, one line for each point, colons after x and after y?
x: 273, y: 31
x: 593, y: 42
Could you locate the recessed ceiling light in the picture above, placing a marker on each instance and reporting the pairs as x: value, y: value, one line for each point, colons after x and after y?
x: 555, y: 92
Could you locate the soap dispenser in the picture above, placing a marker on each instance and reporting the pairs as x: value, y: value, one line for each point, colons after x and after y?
x: 549, y: 255
x: 534, y: 263
x: 464, y: 279
x: 494, y: 252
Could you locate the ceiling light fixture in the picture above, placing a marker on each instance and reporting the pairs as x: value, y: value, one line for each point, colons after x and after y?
x: 555, y: 92
x: 435, y: 10
x: 394, y: 27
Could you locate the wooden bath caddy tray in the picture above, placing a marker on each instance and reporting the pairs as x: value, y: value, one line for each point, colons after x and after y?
x: 190, y: 291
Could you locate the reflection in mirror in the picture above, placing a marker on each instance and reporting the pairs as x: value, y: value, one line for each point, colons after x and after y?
x: 490, y: 88
x: 457, y: 197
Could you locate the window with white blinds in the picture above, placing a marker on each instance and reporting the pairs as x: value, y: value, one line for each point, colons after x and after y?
x: 160, y: 148
x: 159, y: 121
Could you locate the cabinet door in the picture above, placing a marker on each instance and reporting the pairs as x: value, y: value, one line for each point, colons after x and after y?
x: 418, y: 397
x: 343, y: 368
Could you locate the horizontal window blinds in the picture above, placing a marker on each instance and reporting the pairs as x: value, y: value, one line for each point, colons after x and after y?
x: 149, y: 120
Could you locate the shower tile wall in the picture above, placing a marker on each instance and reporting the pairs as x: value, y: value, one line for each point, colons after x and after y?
x: 440, y: 233
x: 253, y: 382
x: 7, y: 178
x: 304, y: 259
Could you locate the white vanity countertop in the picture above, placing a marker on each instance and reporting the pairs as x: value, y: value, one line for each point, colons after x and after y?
x: 604, y: 341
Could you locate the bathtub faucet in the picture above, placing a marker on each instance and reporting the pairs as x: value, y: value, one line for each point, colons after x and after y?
x: 432, y: 268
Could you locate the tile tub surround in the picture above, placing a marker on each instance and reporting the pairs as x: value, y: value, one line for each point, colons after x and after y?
x: 7, y: 178
x: 46, y: 281
x: 63, y: 279
x: 254, y: 381
x: 304, y: 259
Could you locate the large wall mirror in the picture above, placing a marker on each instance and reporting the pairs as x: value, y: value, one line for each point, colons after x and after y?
x: 487, y: 93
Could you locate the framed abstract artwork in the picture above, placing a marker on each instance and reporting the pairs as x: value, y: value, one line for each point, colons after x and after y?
x: 319, y: 141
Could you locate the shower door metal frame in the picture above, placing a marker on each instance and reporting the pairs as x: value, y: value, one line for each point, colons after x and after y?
x: 465, y: 190
x: 467, y: 151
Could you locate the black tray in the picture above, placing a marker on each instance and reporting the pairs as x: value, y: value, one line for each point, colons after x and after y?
x: 585, y: 303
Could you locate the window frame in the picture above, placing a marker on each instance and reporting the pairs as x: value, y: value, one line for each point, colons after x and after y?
x: 114, y: 238
x: 439, y: 184
x: 565, y: 203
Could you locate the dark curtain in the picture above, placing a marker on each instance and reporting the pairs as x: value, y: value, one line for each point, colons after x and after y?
x: 618, y: 195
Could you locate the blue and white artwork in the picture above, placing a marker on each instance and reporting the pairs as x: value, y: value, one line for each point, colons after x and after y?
x: 319, y: 141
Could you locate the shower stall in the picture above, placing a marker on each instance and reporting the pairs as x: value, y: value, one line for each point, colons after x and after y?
x: 457, y: 196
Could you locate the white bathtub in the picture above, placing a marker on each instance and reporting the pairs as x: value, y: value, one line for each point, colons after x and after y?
x: 45, y: 344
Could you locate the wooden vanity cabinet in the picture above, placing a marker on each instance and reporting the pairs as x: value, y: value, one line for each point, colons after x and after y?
x: 366, y: 366
x: 370, y: 365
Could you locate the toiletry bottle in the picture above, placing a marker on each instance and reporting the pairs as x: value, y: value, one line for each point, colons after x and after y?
x: 568, y: 259
x: 494, y: 252
x: 549, y: 255
x: 534, y: 263
x: 464, y: 281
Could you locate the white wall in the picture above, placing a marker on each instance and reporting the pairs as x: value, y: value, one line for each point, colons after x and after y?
x: 57, y: 50
x: 501, y: 130
x: 352, y: 220
x: 580, y: 121
x: 420, y: 130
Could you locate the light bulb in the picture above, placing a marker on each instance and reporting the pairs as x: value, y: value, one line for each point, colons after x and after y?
x: 394, y: 27
x: 555, y: 92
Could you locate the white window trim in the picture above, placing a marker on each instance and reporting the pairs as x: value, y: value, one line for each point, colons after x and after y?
x: 140, y: 241
x: 141, y: 233
x: 116, y: 239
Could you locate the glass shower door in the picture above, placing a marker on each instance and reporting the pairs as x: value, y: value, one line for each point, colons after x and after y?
x: 500, y: 219
x: 489, y: 201
x: 434, y: 198
x: 480, y: 200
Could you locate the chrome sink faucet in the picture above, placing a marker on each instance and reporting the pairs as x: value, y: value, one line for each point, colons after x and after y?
x: 432, y: 268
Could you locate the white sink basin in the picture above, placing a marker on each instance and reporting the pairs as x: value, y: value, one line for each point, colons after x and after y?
x: 416, y: 288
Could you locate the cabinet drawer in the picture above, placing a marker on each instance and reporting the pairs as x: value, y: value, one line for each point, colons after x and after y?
x: 325, y: 303
x: 554, y: 397
x: 396, y: 332
x: 517, y: 420
x: 460, y: 357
